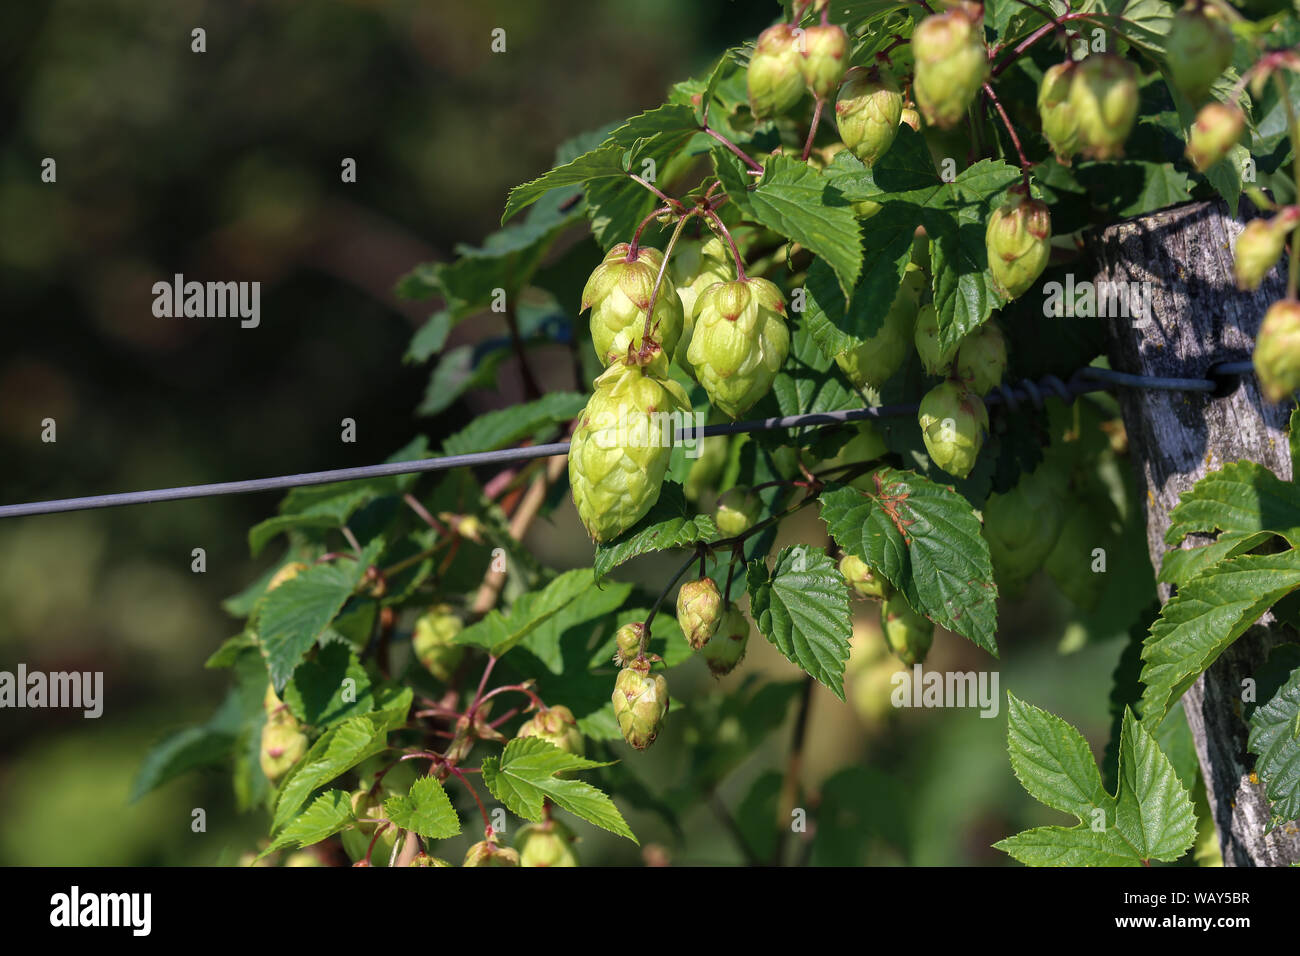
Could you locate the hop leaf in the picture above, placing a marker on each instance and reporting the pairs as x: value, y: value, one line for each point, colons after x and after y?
x: 876, y: 359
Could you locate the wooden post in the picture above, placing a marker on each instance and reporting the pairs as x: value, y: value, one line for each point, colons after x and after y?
x: 1197, y: 320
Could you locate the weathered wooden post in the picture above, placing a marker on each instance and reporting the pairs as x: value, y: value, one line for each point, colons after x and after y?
x: 1198, y: 319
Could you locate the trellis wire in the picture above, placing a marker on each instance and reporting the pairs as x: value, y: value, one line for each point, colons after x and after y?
x: 1084, y: 380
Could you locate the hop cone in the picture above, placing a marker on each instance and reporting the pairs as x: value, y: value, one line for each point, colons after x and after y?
x: 868, y: 112
x: 825, y: 56
x: 546, y: 844
x: 699, y: 611
x: 861, y: 579
x: 434, y: 642
x: 556, y: 725
x: 1260, y: 245
x: 1022, y: 525
x: 618, y: 294
x: 738, y: 511
x: 627, y: 643
x: 727, y: 648
x: 1197, y: 50
x: 953, y: 423
x: 935, y: 360
x: 951, y: 64
x: 694, y: 267
x: 982, y: 358
x: 621, y: 447
x: 1018, y: 241
x: 640, y: 704
x: 1104, y: 94
x: 1217, y: 129
x: 490, y: 853
x: 907, y: 633
x: 1277, y: 350
x: 775, y: 78
x: 874, y: 361
x: 1056, y: 112
x: 739, y: 342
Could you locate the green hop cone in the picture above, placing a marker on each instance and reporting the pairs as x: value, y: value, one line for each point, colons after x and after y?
x: 1277, y: 350
x: 358, y: 837
x: 640, y: 703
x: 621, y: 447
x: 1260, y: 245
x: 727, y: 648
x: 982, y: 358
x: 546, y: 844
x: 1056, y: 112
x: 1022, y: 526
x: 556, y: 725
x: 861, y: 579
x: 1104, y: 94
x: 423, y: 859
x: 707, y: 469
x: 868, y: 112
x: 739, y: 342
x: 627, y: 643
x: 1018, y: 241
x: 951, y: 64
x: 1198, y: 49
x: 934, y: 360
x: 618, y: 294
x: 738, y: 511
x: 908, y: 634
x: 1070, y: 562
x: 825, y: 55
x: 283, y: 745
x: 694, y: 267
x: 877, y: 358
x: 490, y: 853
x: 953, y: 423
x: 775, y: 79
x: 434, y: 642
x: 699, y: 611
x: 1217, y: 129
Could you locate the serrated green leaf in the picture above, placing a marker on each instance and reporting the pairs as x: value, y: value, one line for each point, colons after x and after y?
x: 802, y: 607
x: 337, y: 751
x: 426, y: 810
x: 523, y: 777
x: 1150, y: 816
x: 498, y: 632
x: 1275, y: 741
x: 1052, y: 761
x: 505, y: 426
x: 1153, y: 811
x: 1210, y: 612
x: 429, y: 338
x: 801, y: 204
x: 545, y: 639
x: 1068, y: 846
x: 294, y: 615
x: 925, y: 538
x: 316, y: 693
x: 598, y: 163
x: 328, y: 814
x: 671, y: 523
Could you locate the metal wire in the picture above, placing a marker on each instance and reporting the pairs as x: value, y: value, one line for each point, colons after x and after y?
x: 1084, y: 380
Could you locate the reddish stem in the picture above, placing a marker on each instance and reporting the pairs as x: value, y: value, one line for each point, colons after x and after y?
x: 812, y: 130
x: 1011, y: 131
x: 1037, y: 35
x: 740, y: 263
x: 749, y: 160
x: 456, y: 771
x: 635, y: 245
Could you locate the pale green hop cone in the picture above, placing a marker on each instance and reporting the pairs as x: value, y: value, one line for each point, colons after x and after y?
x: 739, y: 342
x: 1018, y: 242
x: 908, y: 634
x: 868, y: 112
x: 774, y: 79
x: 951, y: 64
x: 877, y: 358
x: 621, y: 448
x: 618, y: 294
x: 640, y: 703
x: 1277, y: 350
x: 953, y: 423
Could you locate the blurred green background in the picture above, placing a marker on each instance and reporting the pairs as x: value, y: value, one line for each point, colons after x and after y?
x: 226, y: 165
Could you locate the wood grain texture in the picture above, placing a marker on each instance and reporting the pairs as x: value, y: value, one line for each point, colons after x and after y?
x: 1197, y: 320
